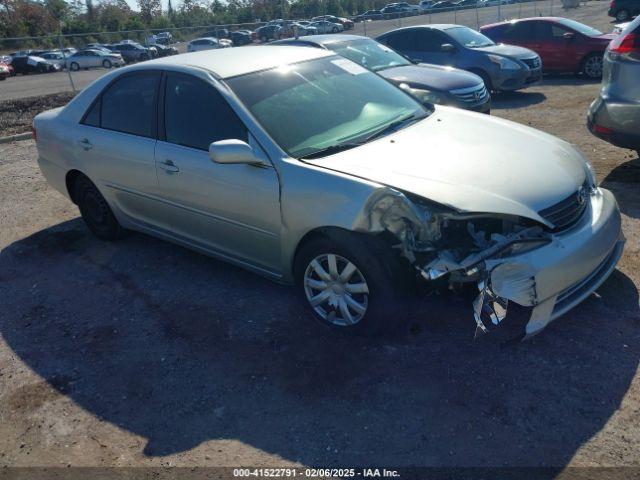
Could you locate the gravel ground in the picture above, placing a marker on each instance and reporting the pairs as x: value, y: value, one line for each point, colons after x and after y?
x: 142, y: 353
x: 16, y: 116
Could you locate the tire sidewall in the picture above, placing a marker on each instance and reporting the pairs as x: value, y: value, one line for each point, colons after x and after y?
x: 110, y: 229
x: 383, y: 309
x: 584, y: 64
x: 106, y: 64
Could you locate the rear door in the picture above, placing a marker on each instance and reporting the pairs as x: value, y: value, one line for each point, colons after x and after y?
x: 116, y: 141
x: 233, y: 210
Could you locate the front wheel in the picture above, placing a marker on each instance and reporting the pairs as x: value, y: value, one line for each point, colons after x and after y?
x: 106, y: 64
x: 351, y: 285
x: 592, y: 66
x: 95, y: 210
x: 74, y: 66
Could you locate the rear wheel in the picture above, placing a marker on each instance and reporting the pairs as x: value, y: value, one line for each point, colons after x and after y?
x: 351, y: 285
x: 334, y: 30
x: 592, y: 65
x: 622, y: 15
x: 95, y: 210
x: 106, y: 63
x: 74, y: 66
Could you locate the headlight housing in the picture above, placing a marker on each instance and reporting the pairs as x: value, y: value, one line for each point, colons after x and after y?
x: 504, y: 63
x: 424, y: 95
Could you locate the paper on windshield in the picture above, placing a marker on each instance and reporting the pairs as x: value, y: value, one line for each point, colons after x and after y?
x: 349, y: 66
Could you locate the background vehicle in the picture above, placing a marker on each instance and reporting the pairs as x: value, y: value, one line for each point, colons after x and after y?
x: 56, y: 57
x: 94, y: 58
x: 324, y: 26
x: 443, y: 6
x: 165, y: 50
x: 615, y: 115
x: 426, y: 5
x: 393, y: 10
x: 5, y: 72
x: 132, y: 52
x: 564, y: 45
x: 288, y: 29
x: 267, y: 32
x: 623, y: 10
x: 242, y: 37
x: 461, y: 4
x: 32, y: 64
x: 502, y: 67
x: 207, y: 43
x: 389, y: 173
x: 427, y: 83
x: 345, y: 22
x: 369, y: 15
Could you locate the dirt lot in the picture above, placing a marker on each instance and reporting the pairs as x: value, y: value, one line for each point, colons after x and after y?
x: 141, y: 353
x: 16, y: 116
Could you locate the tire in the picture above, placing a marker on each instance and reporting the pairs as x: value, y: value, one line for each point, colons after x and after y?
x: 622, y: 15
x: 334, y: 30
x: 106, y: 63
x: 485, y: 78
x: 74, y: 67
x: 95, y: 210
x: 263, y: 39
x: 592, y: 65
x: 372, y: 295
x: 2, y: 78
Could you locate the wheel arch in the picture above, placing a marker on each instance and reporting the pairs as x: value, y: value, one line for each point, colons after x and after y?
x: 70, y: 181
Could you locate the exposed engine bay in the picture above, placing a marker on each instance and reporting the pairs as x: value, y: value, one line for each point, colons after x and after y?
x: 477, y: 248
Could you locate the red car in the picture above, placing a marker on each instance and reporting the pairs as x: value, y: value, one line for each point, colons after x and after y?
x: 6, y: 71
x: 564, y: 45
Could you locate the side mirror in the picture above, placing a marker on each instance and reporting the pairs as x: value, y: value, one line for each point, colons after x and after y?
x: 568, y: 36
x: 447, y: 47
x: 233, y: 152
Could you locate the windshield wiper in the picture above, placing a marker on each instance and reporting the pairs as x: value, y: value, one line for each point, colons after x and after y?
x: 395, y: 125
x: 331, y: 149
x: 390, y: 128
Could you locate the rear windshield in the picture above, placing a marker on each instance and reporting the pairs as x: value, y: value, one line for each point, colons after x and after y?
x: 580, y: 27
x: 469, y: 38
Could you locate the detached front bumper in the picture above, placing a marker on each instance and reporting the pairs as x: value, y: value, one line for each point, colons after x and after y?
x: 557, y: 277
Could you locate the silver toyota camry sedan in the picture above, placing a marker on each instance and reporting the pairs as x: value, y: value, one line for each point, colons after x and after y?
x: 306, y: 168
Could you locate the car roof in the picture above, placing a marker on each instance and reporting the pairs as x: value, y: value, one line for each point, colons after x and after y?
x: 231, y: 62
x: 528, y: 19
x: 324, y: 39
x: 434, y: 26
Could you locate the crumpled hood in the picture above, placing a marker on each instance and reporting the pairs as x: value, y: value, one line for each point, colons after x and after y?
x: 508, y: 51
x: 431, y: 76
x: 471, y: 162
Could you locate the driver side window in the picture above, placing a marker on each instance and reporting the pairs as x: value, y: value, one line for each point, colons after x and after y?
x: 195, y: 114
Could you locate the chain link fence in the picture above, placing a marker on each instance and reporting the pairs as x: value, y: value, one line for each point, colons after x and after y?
x: 67, y: 75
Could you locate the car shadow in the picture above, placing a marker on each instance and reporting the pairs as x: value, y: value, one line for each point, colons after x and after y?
x: 558, y: 79
x: 624, y: 181
x: 507, y: 100
x: 181, y: 349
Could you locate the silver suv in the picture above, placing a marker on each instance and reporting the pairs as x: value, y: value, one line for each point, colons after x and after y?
x: 615, y: 115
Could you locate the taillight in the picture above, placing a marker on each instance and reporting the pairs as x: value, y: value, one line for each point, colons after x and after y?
x: 624, y: 44
x: 33, y: 132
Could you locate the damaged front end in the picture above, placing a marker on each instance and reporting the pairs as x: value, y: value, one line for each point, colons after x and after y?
x: 447, y: 245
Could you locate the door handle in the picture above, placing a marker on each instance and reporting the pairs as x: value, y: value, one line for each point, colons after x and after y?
x: 168, y: 166
x: 86, y: 144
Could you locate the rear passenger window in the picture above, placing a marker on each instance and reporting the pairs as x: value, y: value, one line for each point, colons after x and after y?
x: 196, y: 114
x: 401, y: 41
x: 92, y: 118
x: 129, y: 105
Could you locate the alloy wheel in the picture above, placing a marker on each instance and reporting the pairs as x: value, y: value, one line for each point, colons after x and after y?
x: 593, y: 66
x: 336, y: 290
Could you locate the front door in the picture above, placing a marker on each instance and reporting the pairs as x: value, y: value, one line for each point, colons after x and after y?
x: 233, y: 210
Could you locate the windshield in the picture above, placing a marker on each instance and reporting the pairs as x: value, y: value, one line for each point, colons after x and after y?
x: 369, y: 53
x: 580, y: 27
x: 311, y: 106
x: 469, y: 38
